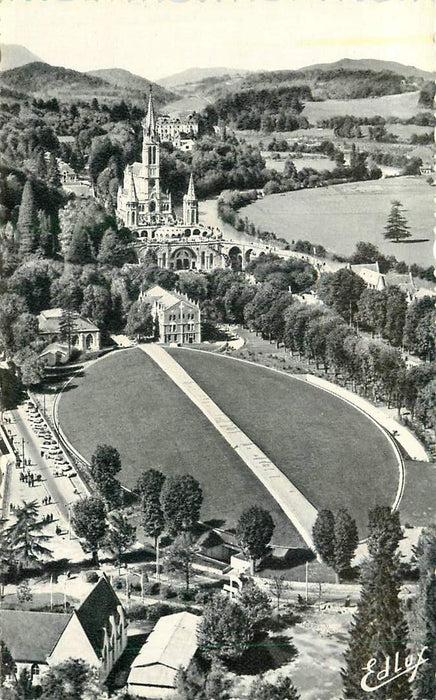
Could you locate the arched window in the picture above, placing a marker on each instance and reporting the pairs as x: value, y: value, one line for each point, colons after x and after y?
x: 74, y: 340
x: 89, y: 341
x: 34, y: 670
x: 133, y: 217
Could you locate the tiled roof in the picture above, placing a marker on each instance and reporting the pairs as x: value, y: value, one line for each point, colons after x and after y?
x: 31, y: 636
x: 94, y: 612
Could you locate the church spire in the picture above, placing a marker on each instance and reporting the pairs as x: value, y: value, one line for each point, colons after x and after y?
x: 190, y: 205
x: 150, y: 119
x: 191, y: 191
x: 132, y: 196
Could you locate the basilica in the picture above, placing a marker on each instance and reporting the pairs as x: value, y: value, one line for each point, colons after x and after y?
x: 142, y: 206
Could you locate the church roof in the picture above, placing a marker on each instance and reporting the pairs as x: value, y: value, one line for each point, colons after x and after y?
x: 31, y: 636
x: 94, y: 612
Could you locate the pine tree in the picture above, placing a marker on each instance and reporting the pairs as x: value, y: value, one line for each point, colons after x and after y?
x: 67, y: 325
x: 396, y: 226
x: 379, y: 629
x: 53, y: 175
x: 40, y: 166
x: 79, y: 250
x: 346, y: 540
x: 27, y: 224
x: 425, y: 682
x: 323, y: 534
x: 47, y: 242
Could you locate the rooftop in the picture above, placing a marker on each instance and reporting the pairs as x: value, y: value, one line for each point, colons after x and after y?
x: 49, y: 322
x: 31, y: 636
x: 95, y: 611
x: 166, y: 298
x: 172, y: 643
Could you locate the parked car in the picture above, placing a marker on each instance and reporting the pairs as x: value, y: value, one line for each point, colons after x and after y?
x: 47, y: 444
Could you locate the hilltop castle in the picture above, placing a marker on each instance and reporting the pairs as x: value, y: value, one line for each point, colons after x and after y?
x: 147, y: 211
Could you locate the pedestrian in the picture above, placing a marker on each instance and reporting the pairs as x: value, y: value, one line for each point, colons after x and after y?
x: 49, y: 498
x: 44, y: 501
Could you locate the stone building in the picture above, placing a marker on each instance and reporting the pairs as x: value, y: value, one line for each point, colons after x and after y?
x: 170, y: 128
x: 179, y: 318
x: 142, y: 206
x: 85, y: 335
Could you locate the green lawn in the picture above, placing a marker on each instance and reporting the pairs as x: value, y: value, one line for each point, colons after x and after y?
x: 346, y: 214
x: 403, y: 106
x: 332, y: 452
x: 418, y: 505
x: 126, y: 401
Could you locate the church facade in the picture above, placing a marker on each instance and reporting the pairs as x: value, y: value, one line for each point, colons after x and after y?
x: 178, y: 243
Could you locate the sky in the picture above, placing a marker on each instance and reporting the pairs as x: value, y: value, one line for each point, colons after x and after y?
x: 157, y: 38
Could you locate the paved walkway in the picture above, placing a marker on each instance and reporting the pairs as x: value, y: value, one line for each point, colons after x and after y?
x: 296, y: 506
x: 62, y: 490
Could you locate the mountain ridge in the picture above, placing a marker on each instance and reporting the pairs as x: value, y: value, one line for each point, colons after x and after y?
x: 14, y: 56
x: 196, y: 74
x: 373, y: 64
x: 47, y: 81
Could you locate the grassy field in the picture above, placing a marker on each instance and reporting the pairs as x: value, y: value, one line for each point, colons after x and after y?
x: 403, y: 106
x: 126, y: 401
x: 350, y: 213
x: 332, y: 453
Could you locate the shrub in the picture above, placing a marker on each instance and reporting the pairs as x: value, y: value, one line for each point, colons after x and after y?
x: 187, y: 596
x: 169, y: 592
x: 151, y: 588
x: 91, y: 576
x: 154, y: 612
x: 203, y: 596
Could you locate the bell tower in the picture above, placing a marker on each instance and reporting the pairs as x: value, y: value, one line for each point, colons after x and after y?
x: 190, y: 205
x: 150, y: 151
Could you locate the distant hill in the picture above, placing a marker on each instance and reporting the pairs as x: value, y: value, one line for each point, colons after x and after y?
x: 14, y: 56
x: 45, y: 81
x: 372, y: 64
x: 196, y: 75
x: 129, y: 81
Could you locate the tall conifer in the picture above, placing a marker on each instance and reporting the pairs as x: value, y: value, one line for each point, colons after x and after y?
x: 27, y: 221
x: 379, y: 629
x: 425, y: 683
